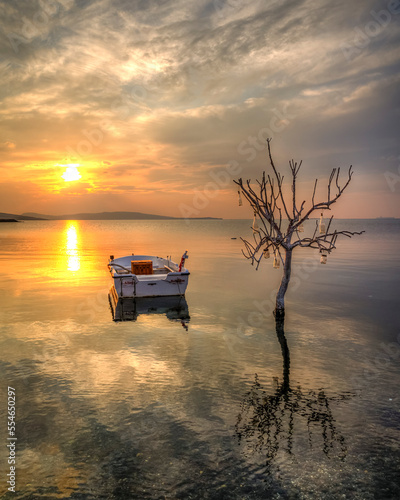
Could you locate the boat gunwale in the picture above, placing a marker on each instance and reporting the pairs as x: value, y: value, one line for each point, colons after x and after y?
x: 153, y: 258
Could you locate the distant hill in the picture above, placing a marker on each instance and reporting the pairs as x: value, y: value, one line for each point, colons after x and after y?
x: 102, y: 216
x: 21, y: 217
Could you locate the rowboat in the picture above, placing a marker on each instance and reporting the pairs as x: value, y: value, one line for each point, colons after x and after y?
x: 148, y: 276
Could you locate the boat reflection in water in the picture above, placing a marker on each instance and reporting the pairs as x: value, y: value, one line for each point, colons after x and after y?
x: 174, y: 307
x: 272, y: 421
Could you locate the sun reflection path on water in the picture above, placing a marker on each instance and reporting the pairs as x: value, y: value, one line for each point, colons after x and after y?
x: 72, y: 246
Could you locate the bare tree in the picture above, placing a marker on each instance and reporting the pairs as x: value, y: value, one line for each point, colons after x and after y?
x: 282, y: 221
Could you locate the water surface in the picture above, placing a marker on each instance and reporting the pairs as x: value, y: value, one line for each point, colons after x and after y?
x: 222, y: 405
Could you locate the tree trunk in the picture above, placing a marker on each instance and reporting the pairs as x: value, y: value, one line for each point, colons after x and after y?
x: 285, y: 387
x: 280, y: 297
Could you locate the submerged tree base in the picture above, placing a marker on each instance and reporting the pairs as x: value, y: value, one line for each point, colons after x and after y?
x: 279, y: 314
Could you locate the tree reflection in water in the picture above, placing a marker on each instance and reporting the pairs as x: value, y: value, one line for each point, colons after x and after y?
x: 267, y: 421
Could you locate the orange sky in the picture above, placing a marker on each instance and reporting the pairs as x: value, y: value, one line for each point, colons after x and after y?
x: 160, y: 105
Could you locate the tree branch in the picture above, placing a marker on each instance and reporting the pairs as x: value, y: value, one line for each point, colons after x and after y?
x: 268, y: 204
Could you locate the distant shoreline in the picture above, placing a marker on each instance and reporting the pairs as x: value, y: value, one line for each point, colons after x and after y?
x: 136, y: 216
x: 97, y: 216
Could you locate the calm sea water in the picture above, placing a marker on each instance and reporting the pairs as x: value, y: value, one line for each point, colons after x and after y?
x: 221, y: 406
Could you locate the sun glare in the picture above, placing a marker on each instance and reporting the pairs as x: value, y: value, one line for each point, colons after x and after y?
x: 71, y: 173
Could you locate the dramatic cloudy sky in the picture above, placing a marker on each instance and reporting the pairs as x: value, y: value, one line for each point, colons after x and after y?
x: 159, y: 104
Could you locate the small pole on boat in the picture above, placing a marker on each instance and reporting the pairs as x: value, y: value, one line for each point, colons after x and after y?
x: 184, y: 257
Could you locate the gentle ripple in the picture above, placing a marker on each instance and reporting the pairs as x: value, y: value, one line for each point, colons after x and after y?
x: 220, y: 407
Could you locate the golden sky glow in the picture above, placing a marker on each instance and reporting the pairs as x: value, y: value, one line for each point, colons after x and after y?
x: 150, y: 103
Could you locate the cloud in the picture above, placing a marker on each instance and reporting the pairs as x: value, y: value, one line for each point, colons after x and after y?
x: 157, y: 94
x: 7, y: 145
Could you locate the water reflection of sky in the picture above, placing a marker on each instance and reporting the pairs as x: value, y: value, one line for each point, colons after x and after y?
x: 144, y: 409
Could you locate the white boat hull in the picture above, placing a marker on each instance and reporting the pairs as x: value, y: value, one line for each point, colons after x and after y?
x: 166, y: 280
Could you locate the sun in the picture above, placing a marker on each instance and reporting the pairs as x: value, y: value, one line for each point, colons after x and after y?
x: 71, y: 173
